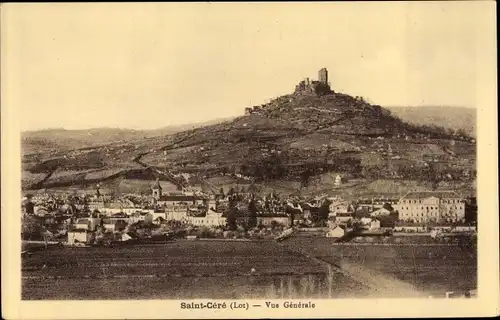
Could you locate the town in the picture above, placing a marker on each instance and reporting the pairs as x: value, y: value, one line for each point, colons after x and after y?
x: 94, y: 218
x: 316, y: 189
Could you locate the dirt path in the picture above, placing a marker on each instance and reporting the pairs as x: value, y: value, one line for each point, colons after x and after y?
x: 380, y: 285
x: 377, y: 284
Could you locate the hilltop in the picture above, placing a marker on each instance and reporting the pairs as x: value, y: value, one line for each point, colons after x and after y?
x: 296, y: 141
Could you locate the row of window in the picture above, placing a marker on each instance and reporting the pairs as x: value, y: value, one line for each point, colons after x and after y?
x: 421, y: 214
x: 430, y: 208
x: 432, y: 213
x: 447, y: 201
x: 208, y: 222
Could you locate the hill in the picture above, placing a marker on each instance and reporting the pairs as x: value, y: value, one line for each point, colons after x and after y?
x: 296, y: 142
x: 455, y: 118
x: 61, y: 139
x: 300, y: 136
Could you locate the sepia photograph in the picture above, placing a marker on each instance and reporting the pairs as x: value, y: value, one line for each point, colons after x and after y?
x: 213, y: 154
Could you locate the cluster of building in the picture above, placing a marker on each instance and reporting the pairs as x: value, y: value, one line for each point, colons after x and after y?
x: 82, y: 216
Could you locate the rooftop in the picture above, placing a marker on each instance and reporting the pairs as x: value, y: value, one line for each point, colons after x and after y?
x: 178, y: 198
x: 428, y: 194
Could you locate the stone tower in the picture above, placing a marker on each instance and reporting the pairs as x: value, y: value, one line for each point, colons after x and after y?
x: 156, y: 190
x: 323, y: 76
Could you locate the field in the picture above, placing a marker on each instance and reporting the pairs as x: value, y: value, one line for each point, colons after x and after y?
x: 28, y: 178
x: 182, y: 258
x: 430, y: 268
x: 181, y: 269
x: 298, y: 268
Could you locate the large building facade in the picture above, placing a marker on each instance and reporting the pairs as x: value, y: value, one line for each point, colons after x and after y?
x: 431, y: 206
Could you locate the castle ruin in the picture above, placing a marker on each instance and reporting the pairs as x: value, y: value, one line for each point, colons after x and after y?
x: 323, y: 76
x: 306, y: 87
x: 315, y: 87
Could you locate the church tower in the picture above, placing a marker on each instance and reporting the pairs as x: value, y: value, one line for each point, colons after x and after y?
x: 98, y: 191
x: 156, y: 190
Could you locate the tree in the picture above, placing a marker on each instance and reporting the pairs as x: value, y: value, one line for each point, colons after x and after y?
x: 395, y: 215
x: 471, y: 210
x: 274, y: 225
x: 387, y: 206
x: 29, y: 208
x: 231, y: 218
x: 305, y: 177
x: 291, y: 213
x: 324, y: 211
x: 31, y: 228
x: 387, y: 221
x: 356, y: 225
x: 252, y: 214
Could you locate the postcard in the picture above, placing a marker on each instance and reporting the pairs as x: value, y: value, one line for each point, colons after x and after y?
x: 249, y: 160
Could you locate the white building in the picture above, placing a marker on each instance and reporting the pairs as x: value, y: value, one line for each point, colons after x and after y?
x: 175, y: 200
x: 365, y: 221
x: 374, y: 224
x: 380, y: 212
x: 178, y: 214
x: 336, y: 232
x: 82, y: 224
x: 409, y: 228
x: 143, y: 215
x: 431, y: 206
x: 126, y: 237
x: 211, y: 219
x: 109, y: 227
x: 339, y: 207
x: 78, y: 236
x: 111, y: 211
x: 464, y: 229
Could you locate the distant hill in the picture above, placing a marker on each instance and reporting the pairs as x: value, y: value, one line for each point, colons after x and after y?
x: 447, y: 117
x: 61, y: 139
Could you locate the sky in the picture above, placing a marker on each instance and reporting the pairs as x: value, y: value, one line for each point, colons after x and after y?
x: 150, y: 65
